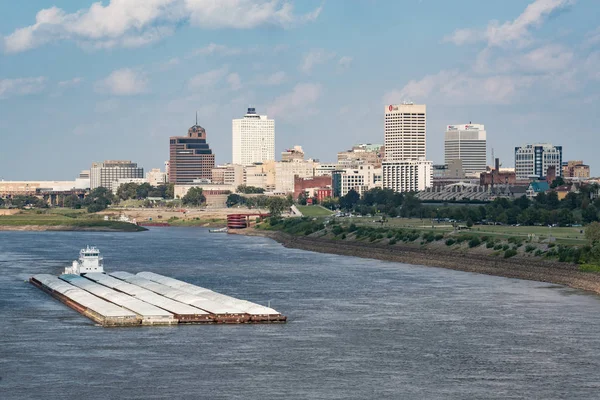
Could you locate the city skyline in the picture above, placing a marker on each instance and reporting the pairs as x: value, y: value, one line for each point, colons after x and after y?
x: 529, y: 77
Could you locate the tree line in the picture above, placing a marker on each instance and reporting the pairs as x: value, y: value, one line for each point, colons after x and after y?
x: 582, y: 207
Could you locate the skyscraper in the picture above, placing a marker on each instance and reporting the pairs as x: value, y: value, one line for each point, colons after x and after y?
x: 533, y: 160
x: 405, y: 132
x: 405, y: 168
x: 466, y: 142
x: 253, y: 139
x: 190, y: 156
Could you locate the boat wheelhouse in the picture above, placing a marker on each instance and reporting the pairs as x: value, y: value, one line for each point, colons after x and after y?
x: 89, y: 260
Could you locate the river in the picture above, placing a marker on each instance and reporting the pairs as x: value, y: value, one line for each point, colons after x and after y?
x: 358, y: 329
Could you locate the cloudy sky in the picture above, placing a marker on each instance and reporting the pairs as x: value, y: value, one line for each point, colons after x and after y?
x: 114, y: 79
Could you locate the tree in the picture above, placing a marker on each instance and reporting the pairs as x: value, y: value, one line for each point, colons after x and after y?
x: 559, y: 181
x: 98, y: 199
x: 250, y: 189
x: 194, y: 197
x: 170, y: 191
x: 302, y: 198
x: 592, y: 233
x: 348, y: 201
x: 589, y: 214
x: 142, y: 190
x: 234, y: 199
x: 72, y: 201
x: 127, y: 191
x: 276, y: 206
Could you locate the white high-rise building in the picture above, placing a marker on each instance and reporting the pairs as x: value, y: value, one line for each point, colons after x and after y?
x: 404, y: 168
x: 533, y: 160
x: 253, y: 139
x: 407, y: 176
x: 405, y: 132
x: 102, y: 174
x: 466, y: 142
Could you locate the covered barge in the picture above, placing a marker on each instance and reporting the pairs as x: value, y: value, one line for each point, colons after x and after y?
x: 125, y: 299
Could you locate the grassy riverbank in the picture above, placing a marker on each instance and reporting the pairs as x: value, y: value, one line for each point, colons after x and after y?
x: 63, y: 219
x: 511, y: 258
x: 565, y: 245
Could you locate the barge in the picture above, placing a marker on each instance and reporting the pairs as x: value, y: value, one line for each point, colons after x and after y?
x: 124, y: 299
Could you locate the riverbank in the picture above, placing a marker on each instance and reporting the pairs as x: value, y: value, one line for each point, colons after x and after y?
x: 119, y: 227
x: 518, y: 267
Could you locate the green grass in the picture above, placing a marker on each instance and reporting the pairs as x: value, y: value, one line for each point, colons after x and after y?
x: 589, y: 268
x: 314, y: 211
x: 570, y: 235
x: 77, y: 219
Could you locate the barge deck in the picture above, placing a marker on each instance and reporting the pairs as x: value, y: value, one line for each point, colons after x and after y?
x: 124, y: 299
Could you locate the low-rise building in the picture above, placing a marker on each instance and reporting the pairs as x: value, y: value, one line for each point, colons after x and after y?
x: 261, y: 175
x: 285, y: 171
x: 369, y: 154
x: 360, y: 179
x: 575, y: 169
x: 229, y: 174
x: 313, y: 183
x: 156, y: 177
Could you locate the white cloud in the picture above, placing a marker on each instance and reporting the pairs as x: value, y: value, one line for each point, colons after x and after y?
x: 127, y: 23
x: 455, y: 87
x: 345, y: 61
x: 593, y: 37
x: 314, y: 58
x: 213, y: 48
x: 297, y: 103
x: 70, y: 82
x: 511, y: 32
x: 123, y: 82
x: 234, y: 80
x: 209, y: 78
x: 21, y: 86
x: 170, y: 63
x: 274, y: 79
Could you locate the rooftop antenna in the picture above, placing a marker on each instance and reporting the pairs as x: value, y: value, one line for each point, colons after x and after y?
x: 196, y: 118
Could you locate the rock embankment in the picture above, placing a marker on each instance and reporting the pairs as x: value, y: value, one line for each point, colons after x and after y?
x: 516, y: 267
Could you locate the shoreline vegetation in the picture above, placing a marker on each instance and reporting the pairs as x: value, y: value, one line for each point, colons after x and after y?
x: 63, y: 220
x: 510, y: 257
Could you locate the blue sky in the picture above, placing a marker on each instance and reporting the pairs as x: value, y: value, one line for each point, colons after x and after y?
x: 83, y: 81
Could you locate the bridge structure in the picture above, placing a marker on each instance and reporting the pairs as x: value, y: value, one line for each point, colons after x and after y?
x: 242, y: 221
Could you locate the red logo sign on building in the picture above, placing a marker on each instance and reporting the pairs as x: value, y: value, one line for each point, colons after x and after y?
x: 390, y: 108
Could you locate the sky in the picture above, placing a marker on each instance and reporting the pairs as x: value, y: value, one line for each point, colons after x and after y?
x: 84, y: 81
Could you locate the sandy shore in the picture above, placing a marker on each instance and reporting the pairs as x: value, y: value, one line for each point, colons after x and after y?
x: 516, y: 267
x: 41, y: 228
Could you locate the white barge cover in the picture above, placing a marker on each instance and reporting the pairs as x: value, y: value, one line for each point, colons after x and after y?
x: 85, y: 299
x: 213, y: 307
x: 244, y: 305
x: 144, y: 294
x: 149, y: 312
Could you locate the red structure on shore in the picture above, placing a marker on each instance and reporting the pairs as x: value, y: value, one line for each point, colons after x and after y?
x: 242, y: 221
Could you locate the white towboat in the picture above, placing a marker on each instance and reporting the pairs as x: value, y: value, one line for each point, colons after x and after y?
x: 219, y: 230
x: 89, y: 260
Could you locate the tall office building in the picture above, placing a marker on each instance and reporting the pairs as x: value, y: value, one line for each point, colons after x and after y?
x: 190, y: 156
x: 405, y: 168
x: 405, y: 132
x: 466, y: 142
x: 103, y: 174
x: 253, y: 139
x: 533, y: 160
